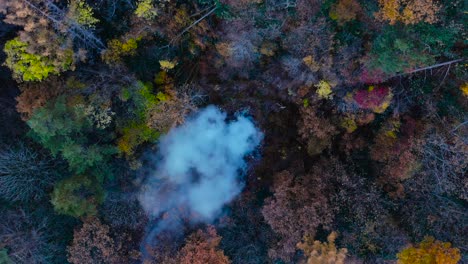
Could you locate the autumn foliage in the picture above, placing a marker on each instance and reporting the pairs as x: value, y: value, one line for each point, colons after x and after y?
x: 430, y: 251
x: 92, y: 244
x: 345, y: 10
x: 323, y: 253
x: 201, y: 247
x: 376, y: 99
x: 408, y: 11
x: 362, y: 107
x: 295, y: 210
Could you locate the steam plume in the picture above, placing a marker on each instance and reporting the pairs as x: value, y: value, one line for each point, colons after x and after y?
x: 198, y: 167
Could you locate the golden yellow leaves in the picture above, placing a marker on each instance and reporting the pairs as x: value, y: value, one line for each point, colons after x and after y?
x: 33, y: 67
x: 389, y: 11
x: 392, y: 128
x: 408, y: 11
x: 167, y: 65
x: 82, y: 13
x: 324, y: 90
x: 349, y: 124
x: 430, y: 251
x: 464, y: 89
x: 384, y: 105
x: 146, y: 9
x: 117, y: 49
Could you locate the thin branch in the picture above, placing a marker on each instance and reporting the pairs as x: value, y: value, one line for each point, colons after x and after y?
x: 74, y: 28
x: 201, y: 11
x: 430, y: 67
x: 460, y: 125
x: 193, y: 24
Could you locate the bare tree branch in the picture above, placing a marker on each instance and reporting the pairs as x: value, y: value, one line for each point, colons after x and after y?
x: 75, y: 29
x: 193, y: 24
x: 430, y: 67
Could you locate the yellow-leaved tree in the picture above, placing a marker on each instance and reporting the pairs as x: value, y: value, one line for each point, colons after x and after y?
x: 324, y: 90
x: 429, y: 251
x: 408, y: 11
x: 464, y: 89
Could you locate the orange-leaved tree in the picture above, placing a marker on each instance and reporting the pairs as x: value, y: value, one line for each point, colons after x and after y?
x: 201, y: 248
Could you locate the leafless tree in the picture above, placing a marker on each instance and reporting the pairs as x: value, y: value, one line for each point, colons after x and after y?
x: 25, y: 239
x: 17, y: 12
x: 445, y: 160
x: 25, y: 174
x: 62, y: 22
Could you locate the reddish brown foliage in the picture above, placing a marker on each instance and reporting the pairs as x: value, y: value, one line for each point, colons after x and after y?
x: 93, y: 244
x: 298, y: 207
x: 201, y: 248
x: 312, y: 124
x: 315, y: 131
x: 394, y: 148
x: 352, y: 143
x: 35, y: 95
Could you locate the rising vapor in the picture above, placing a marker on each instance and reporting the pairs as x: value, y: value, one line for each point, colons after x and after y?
x: 198, y: 166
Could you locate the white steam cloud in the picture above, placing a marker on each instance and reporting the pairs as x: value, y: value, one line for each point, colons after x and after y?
x: 199, y: 164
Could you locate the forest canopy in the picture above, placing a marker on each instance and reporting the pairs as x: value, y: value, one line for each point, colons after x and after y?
x: 233, y: 131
